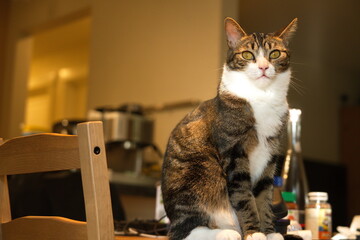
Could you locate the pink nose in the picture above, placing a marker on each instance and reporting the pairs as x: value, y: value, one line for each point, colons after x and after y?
x: 264, y: 67
x: 263, y: 64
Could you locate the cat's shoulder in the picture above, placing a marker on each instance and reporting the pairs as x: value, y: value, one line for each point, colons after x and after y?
x: 196, y: 120
x: 203, y: 110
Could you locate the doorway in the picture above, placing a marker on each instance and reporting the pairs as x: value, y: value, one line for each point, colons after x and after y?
x: 58, y: 76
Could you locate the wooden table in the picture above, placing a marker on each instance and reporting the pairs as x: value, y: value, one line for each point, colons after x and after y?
x: 139, y: 238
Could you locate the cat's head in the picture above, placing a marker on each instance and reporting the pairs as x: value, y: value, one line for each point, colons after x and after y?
x: 261, y: 57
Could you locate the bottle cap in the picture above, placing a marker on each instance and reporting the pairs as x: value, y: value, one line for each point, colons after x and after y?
x: 318, y: 196
x: 294, y: 114
x: 289, y: 196
x: 278, y: 181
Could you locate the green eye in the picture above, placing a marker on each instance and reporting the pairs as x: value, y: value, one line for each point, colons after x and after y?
x: 247, y: 55
x: 275, y: 54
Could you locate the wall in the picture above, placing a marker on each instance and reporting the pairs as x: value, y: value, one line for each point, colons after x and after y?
x: 24, y: 19
x: 160, y: 51
x: 155, y: 52
x: 325, y: 63
x: 57, y: 85
x: 149, y: 52
x: 4, y: 7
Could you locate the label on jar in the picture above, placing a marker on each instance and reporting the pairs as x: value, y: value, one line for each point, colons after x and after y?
x: 318, y: 221
x: 293, y: 214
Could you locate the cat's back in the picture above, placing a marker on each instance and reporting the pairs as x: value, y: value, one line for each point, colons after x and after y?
x: 192, y: 134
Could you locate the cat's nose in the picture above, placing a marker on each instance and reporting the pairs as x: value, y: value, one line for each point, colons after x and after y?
x: 263, y: 64
x: 263, y: 68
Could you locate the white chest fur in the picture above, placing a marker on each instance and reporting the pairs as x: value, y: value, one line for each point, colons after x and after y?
x: 268, y: 105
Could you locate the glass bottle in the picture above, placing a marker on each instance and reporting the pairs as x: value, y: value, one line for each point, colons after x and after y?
x: 293, y: 172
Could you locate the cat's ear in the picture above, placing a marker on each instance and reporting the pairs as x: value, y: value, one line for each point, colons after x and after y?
x: 233, y: 32
x: 287, y: 32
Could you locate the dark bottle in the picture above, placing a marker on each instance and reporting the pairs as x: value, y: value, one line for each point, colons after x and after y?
x: 293, y: 172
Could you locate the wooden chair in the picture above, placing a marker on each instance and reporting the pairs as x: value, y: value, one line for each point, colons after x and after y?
x: 53, y: 152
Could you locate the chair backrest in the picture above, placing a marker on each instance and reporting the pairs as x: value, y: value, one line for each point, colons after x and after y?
x: 53, y: 152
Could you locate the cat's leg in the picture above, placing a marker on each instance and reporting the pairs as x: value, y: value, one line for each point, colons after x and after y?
x: 184, y: 223
x: 204, y: 233
x: 263, y: 192
x: 191, y: 198
x: 243, y: 201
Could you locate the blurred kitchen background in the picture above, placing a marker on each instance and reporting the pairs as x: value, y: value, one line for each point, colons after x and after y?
x: 63, y: 59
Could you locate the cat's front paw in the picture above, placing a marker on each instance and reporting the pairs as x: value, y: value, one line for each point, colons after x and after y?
x: 256, y: 236
x: 227, y: 234
x: 274, y: 236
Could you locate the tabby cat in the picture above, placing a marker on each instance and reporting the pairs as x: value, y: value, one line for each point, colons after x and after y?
x: 217, y: 177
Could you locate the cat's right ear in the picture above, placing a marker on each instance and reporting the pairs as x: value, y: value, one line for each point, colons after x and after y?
x: 287, y: 32
x: 233, y: 32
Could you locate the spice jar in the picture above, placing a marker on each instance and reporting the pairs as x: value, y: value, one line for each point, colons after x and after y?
x: 318, y: 216
x: 293, y: 210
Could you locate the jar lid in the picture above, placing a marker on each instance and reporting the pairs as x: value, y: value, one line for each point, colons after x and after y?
x: 289, y: 196
x: 318, y: 196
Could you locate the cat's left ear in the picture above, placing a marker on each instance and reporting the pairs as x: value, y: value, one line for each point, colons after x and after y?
x: 286, y: 33
x: 233, y: 32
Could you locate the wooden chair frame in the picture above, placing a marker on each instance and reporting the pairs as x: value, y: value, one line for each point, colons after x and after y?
x: 53, y: 152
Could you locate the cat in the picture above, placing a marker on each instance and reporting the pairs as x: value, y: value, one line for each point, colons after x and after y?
x: 217, y: 176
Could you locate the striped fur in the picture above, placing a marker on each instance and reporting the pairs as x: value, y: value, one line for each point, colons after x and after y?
x: 218, y: 168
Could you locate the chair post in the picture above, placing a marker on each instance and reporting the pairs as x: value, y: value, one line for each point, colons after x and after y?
x: 5, y: 213
x: 95, y: 183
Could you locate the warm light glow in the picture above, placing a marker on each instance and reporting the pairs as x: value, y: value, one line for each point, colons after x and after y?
x: 294, y: 114
x: 286, y: 166
x: 65, y: 73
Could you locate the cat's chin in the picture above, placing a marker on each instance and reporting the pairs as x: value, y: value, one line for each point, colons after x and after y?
x: 262, y: 82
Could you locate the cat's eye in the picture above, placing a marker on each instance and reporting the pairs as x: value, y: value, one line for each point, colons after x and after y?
x: 247, y: 55
x: 275, y: 54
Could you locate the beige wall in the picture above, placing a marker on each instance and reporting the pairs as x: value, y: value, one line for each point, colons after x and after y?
x: 155, y: 52
x: 148, y: 52
x: 57, y: 85
x: 25, y: 18
x: 159, y: 51
x: 4, y: 8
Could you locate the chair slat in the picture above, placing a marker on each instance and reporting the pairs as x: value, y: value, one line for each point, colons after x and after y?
x: 93, y: 163
x: 44, y: 228
x: 52, y: 152
x: 5, y: 213
x: 25, y: 154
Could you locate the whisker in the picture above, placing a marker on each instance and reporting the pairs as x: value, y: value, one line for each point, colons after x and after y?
x: 294, y: 83
x: 298, y: 63
x: 297, y: 89
x: 297, y: 79
x: 218, y: 69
